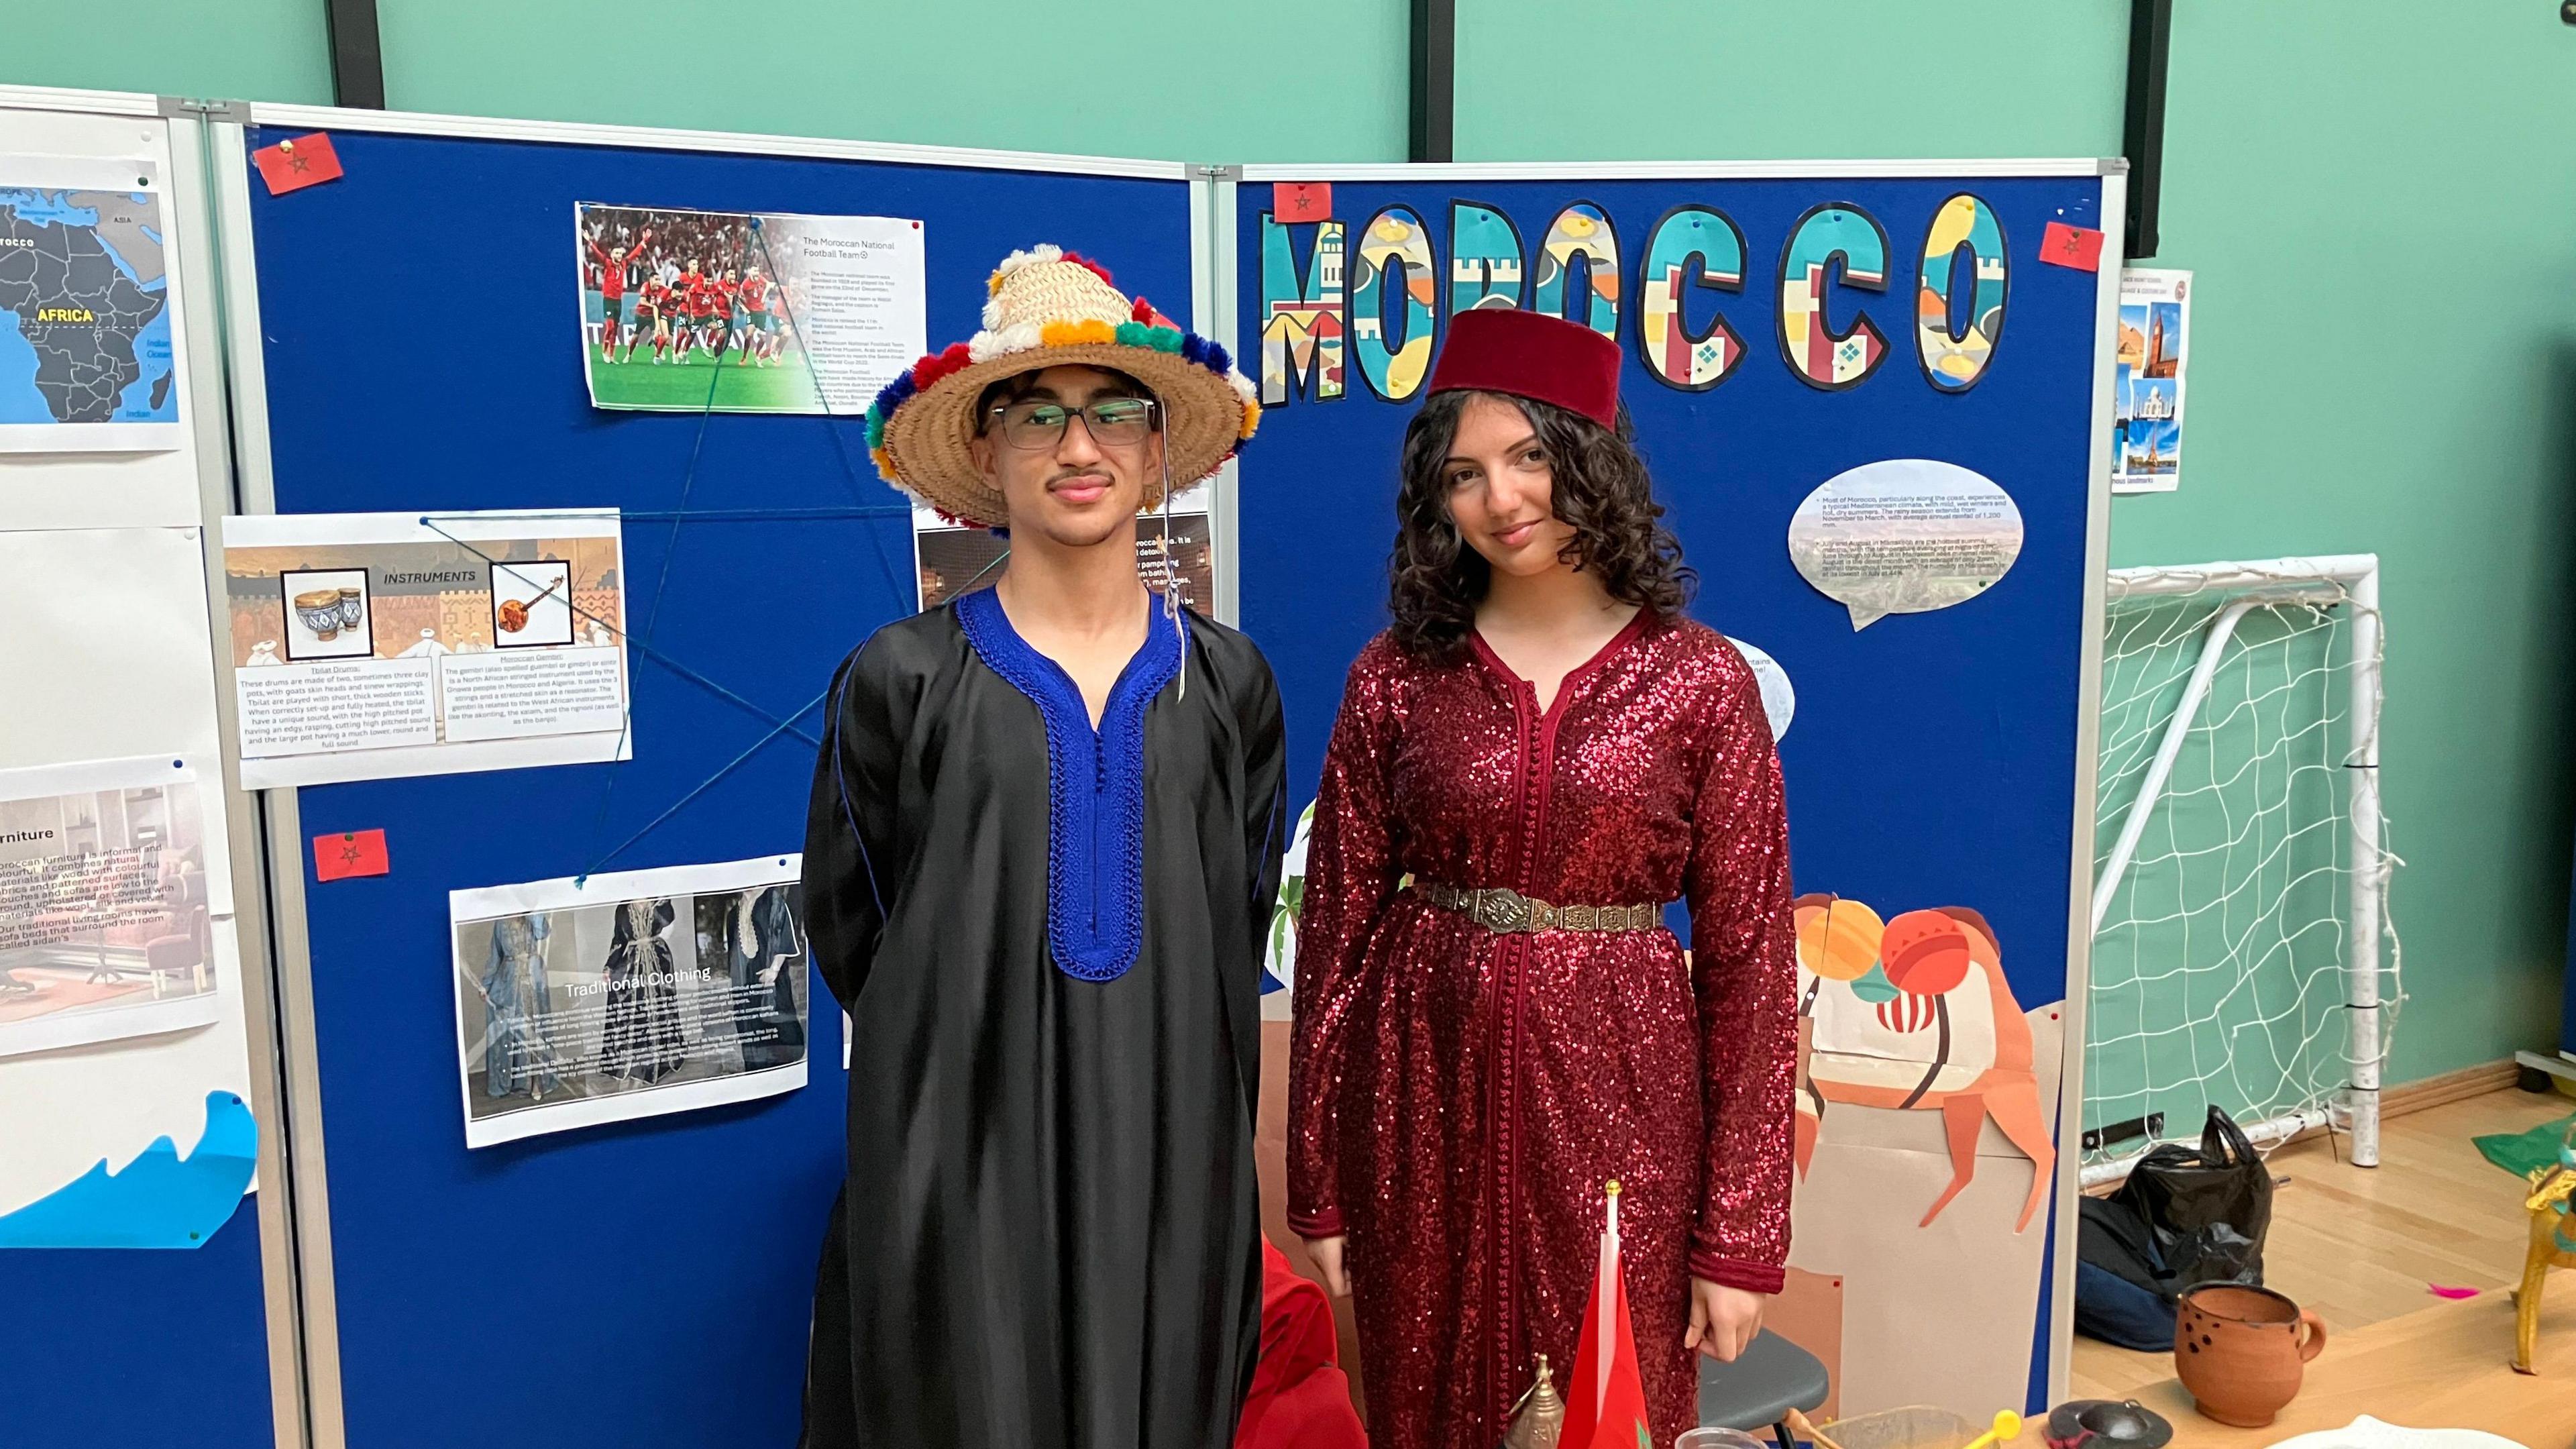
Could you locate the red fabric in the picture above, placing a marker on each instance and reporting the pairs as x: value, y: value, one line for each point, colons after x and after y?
x: 1530, y: 354
x: 1300, y: 1398
x: 1301, y: 200
x: 1605, y: 1406
x: 345, y: 853
x: 1457, y: 1097
x: 2078, y: 247
x: 294, y: 164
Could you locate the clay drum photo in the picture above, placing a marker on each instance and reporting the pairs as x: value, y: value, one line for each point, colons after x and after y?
x: 323, y: 612
x: 2241, y: 1351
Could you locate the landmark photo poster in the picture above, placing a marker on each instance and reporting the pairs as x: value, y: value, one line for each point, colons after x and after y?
x: 611, y: 997
x: 2147, y: 393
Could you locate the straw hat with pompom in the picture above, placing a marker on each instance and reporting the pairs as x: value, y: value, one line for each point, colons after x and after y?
x: 1052, y: 308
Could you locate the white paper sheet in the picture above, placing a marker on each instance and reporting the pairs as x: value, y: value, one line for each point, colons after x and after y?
x: 2147, y: 392
x: 635, y: 994
x: 1904, y: 536
x: 72, y: 485
x: 373, y: 645
x: 763, y: 312
x: 107, y: 904
x: 107, y: 649
x: 89, y: 340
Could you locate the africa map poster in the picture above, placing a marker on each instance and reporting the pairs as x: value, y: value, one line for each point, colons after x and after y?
x: 87, y: 347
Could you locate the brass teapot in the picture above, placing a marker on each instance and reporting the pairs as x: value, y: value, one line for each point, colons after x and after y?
x: 1539, y: 1417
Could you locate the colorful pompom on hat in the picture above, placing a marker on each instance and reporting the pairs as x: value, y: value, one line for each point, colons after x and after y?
x: 1052, y: 308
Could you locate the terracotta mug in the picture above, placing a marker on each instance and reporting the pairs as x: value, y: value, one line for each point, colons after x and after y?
x: 2240, y: 1351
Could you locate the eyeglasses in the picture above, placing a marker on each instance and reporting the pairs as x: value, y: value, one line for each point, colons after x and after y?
x: 1112, y: 420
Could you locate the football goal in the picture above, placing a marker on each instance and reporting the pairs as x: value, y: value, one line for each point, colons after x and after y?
x: 2242, y: 953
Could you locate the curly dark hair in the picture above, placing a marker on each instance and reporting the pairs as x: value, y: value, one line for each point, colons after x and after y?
x: 1601, y: 489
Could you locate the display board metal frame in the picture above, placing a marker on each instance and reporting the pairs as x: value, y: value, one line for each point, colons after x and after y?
x: 314, y: 1316
x: 316, y: 1275
x: 1226, y: 250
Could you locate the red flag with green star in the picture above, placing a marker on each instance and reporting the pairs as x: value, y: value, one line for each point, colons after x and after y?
x: 1605, y: 1399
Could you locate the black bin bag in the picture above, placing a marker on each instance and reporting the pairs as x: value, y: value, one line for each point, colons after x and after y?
x: 2185, y: 1216
x: 2208, y: 1207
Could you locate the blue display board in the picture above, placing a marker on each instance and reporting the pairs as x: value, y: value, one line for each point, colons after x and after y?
x: 1933, y: 761
x: 645, y: 1284
x: 122, y: 1346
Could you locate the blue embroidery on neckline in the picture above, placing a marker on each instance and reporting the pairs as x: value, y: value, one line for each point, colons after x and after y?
x: 1095, y: 787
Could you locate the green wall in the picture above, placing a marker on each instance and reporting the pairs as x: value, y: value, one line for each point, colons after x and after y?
x: 1204, y: 81
x: 1769, y: 79
x: 262, y: 50
x: 2379, y: 197
x: 1319, y: 80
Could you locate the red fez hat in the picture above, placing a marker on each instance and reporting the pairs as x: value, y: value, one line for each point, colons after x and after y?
x: 1533, y: 355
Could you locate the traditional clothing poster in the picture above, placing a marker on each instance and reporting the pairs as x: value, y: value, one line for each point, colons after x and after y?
x: 728, y: 311
x: 614, y: 997
x: 87, y: 308
x: 106, y: 904
x: 949, y: 560
x: 2147, y: 392
x: 372, y: 645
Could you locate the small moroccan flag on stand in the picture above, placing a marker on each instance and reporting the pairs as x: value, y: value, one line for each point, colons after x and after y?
x: 1605, y: 1399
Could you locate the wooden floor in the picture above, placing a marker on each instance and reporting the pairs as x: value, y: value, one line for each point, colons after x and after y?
x: 2361, y: 1245
x: 2444, y: 1367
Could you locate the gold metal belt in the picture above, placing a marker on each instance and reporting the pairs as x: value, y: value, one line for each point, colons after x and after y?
x: 1508, y: 911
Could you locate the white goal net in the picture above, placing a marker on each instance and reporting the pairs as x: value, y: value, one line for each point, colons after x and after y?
x: 2241, y: 950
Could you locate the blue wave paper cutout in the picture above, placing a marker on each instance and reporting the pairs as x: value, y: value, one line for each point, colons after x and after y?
x: 159, y: 1200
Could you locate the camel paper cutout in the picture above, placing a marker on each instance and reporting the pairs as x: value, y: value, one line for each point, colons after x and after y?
x: 1915, y: 1014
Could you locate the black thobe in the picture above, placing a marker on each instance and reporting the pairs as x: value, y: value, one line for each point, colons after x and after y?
x: 1048, y: 939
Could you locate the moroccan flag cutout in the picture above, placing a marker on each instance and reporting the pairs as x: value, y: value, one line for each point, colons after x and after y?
x: 1605, y: 1399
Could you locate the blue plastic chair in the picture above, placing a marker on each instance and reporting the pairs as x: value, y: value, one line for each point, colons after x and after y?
x: 1757, y: 1391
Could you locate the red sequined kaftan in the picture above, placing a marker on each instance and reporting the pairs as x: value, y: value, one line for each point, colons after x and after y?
x: 1458, y: 1096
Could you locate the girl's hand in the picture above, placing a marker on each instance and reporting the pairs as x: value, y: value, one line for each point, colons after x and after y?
x: 1723, y: 1320
x: 1327, y: 1253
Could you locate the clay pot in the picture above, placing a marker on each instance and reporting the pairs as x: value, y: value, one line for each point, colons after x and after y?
x: 2240, y: 1351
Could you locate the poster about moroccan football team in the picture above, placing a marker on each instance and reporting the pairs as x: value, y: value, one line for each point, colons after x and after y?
x: 723, y: 311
